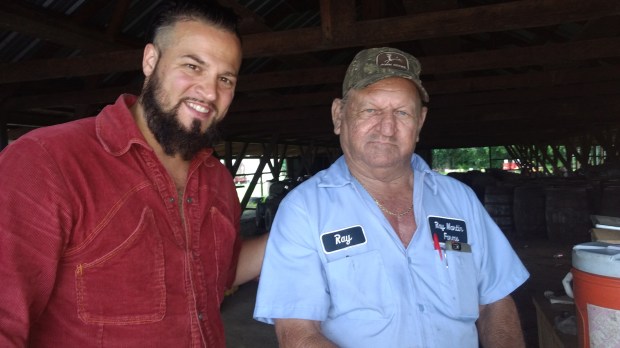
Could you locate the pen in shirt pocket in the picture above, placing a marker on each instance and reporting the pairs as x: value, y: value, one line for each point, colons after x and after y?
x: 442, y: 252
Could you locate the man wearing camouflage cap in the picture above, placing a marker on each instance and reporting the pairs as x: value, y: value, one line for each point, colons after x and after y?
x: 380, y: 251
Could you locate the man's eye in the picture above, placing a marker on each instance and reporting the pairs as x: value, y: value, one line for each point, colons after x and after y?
x: 371, y: 111
x: 402, y: 113
x: 227, y: 81
x: 192, y: 66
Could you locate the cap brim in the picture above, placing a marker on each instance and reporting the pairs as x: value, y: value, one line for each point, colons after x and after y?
x: 369, y: 80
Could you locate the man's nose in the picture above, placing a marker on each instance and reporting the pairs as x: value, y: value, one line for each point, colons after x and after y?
x: 388, y: 123
x: 207, y: 87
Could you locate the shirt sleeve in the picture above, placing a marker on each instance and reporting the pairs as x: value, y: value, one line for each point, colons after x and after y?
x: 237, y: 243
x: 501, y: 270
x: 33, y: 219
x: 292, y: 282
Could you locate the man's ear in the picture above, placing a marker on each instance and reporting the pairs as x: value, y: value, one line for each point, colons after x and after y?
x: 421, y: 120
x: 337, y: 114
x: 149, y: 59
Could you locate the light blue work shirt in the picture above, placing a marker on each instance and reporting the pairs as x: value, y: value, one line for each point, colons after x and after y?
x: 333, y: 257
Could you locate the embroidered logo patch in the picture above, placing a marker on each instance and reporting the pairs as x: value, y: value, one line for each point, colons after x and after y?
x: 392, y: 60
x: 448, y: 229
x: 343, y: 239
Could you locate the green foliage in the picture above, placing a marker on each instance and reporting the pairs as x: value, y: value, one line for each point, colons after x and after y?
x: 469, y: 158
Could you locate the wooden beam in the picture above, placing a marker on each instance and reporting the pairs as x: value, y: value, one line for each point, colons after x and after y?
x: 283, y: 101
x: 337, y: 19
x: 527, y: 80
x: 87, y: 65
x: 479, y: 19
x: 240, y: 155
x: 488, y: 18
x: 537, y: 100
x: 543, y: 151
x: 4, y: 133
x: 496, y: 59
x: 118, y: 15
x: 560, y: 156
x: 520, y: 14
x: 477, y: 90
x: 603, y: 108
x: 264, y: 159
x: 51, y: 27
x: 282, y: 79
x: 252, y: 23
x: 474, y: 61
x: 519, y: 119
x: 87, y: 97
x: 536, y: 93
x: 541, y: 55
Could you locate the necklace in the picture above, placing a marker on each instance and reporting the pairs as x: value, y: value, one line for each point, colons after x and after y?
x: 398, y: 215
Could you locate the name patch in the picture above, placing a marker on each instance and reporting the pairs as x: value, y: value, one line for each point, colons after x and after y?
x: 343, y: 239
x: 447, y: 229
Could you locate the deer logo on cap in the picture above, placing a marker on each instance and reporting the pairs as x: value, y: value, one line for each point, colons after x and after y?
x: 392, y: 60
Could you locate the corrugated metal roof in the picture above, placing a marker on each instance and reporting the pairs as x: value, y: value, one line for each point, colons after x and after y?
x: 466, y: 77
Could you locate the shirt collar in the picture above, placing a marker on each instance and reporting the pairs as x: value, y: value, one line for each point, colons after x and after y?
x: 338, y: 174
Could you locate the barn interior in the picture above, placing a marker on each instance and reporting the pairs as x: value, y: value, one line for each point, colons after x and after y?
x: 540, y: 78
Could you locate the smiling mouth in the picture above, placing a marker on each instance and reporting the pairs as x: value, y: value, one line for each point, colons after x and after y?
x: 198, y: 107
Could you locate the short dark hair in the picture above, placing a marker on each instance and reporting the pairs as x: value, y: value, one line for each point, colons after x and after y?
x: 193, y: 10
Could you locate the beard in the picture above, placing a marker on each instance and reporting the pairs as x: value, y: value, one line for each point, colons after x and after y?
x: 173, y: 137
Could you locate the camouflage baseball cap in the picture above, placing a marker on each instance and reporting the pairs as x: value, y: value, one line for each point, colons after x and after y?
x: 375, y: 64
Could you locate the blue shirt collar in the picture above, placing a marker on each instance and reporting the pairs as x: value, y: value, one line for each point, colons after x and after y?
x: 338, y: 174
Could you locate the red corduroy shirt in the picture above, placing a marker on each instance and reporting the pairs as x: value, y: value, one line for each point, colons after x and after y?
x: 94, y: 251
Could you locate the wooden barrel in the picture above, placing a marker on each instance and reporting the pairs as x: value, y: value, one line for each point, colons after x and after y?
x: 498, y: 202
x: 529, y: 212
x: 479, y: 181
x: 567, y: 214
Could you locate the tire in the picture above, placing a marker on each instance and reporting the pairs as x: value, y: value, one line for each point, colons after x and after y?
x: 269, y: 214
x: 260, y: 215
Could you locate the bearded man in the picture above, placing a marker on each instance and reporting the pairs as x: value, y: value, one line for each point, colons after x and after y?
x: 122, y: 230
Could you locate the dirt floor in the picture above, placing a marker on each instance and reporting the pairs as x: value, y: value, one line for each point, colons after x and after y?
x: 548, y: 262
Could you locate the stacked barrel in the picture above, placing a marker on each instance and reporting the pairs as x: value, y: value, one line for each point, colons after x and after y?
x: 558, y: 209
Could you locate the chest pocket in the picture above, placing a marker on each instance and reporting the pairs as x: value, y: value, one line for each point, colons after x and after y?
x: 459, y: 285
x: 359, y: 287
x: 126, y: 285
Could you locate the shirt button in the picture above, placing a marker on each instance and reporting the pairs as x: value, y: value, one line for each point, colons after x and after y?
x: 200, y: 316
x: 171, y: 199
x: 189, y: 200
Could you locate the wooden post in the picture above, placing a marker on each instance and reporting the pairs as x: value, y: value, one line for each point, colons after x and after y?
x: 264, y: 159
x: 4, y: 133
